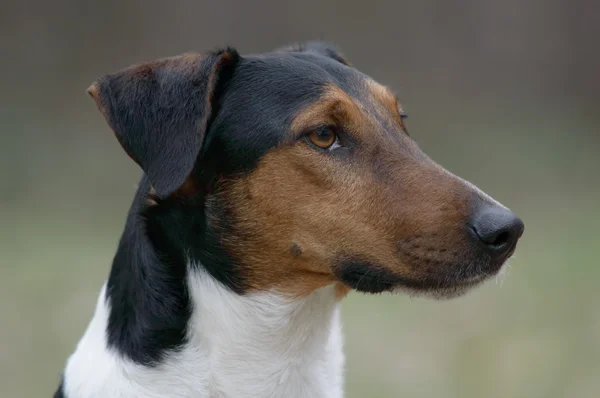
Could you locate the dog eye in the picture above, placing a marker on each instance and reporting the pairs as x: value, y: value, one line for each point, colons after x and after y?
x: 401, y: 112
x: 324, y: 138
x: 403, y: 117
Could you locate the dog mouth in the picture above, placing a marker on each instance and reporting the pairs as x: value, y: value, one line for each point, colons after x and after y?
x: 439, y: 281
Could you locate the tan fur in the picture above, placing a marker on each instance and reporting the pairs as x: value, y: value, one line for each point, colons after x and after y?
x: 384, y: 97
x: 334, y: 108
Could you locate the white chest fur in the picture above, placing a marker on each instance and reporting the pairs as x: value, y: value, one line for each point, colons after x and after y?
x: 239, y: 346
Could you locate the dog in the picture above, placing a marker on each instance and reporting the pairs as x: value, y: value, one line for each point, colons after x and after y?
x: 273, y: 184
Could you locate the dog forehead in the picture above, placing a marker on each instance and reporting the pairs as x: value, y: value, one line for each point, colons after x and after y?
x: 298, y: 74
x: 307, y: 70
x: 266, y: 93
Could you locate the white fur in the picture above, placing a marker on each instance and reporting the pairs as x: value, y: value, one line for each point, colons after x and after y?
x: 260, y: 345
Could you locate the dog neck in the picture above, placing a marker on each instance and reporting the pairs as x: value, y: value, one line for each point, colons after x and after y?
x: 163, y: 331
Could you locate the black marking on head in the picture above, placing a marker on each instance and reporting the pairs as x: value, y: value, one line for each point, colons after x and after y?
x: 256, y: 110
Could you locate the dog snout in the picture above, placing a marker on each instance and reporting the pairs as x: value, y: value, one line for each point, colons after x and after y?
x: 496, y: 230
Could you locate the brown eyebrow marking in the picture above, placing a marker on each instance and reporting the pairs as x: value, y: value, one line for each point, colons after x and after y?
x: 334, y: 107
x: 386, y: 97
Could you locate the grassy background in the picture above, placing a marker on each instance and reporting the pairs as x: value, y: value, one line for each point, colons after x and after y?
x: 502, y: 93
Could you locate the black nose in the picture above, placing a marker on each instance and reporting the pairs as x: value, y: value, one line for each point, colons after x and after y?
x: 496, y: 229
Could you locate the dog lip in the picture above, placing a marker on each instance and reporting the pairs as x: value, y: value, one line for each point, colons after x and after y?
x: 445, y: 290
x: 369, y: 277
x: 448, y: 282
x: 432, y: 284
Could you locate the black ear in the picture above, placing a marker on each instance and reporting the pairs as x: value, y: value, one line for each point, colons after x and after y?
x: 317, y: 47
x: 159, y: 111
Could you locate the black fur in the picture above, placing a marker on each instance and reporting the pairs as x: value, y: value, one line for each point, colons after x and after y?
x: 256, y: 109
x: 180, y: 231
x: 366, y: 277
x: 159, y: 113
x: 146, y: 290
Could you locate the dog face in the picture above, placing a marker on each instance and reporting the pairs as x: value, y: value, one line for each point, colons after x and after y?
x: 292, y: 170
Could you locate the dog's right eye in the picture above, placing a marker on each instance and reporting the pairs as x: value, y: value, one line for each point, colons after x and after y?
x: 403, y: 117
x: 324, y: 138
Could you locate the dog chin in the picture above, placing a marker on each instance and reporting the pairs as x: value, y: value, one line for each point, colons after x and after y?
x: 373, y: 279
x: 456, y: 290
x: 446, y: 292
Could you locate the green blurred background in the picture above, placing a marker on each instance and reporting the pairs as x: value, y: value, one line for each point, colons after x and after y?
x: 503, y: 93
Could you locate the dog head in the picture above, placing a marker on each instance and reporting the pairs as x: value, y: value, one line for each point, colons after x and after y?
x: 293, y: 170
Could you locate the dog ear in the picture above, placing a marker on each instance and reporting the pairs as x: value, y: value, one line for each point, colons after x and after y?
x: 317, y: 47
x: 159, y: 111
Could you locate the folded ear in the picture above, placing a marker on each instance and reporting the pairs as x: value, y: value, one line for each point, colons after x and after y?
x: 159, y: 111
x: 317, y: 47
